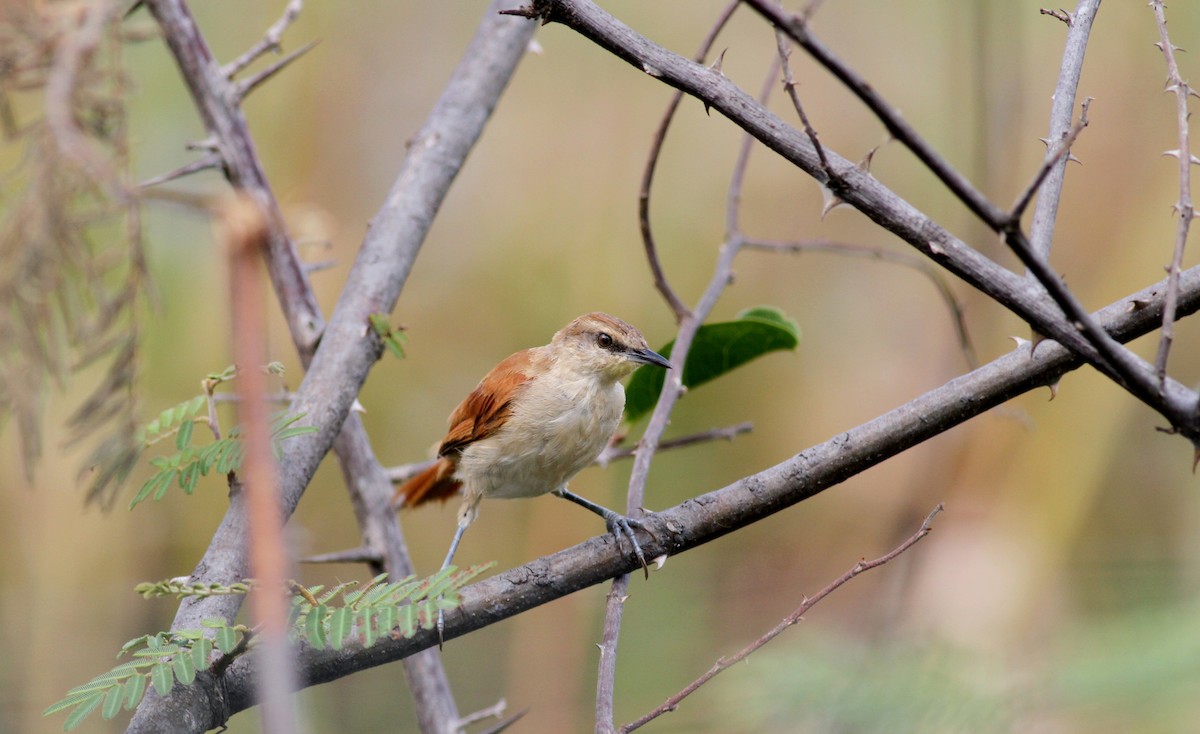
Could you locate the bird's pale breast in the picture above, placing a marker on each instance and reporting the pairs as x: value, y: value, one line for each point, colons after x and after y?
x: 532, y: 454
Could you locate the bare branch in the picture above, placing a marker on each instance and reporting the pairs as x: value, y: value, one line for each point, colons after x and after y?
x: 1079, y: 27
x: 1184, y: 209
x: 713, y: 434
x: 789, y: 85
x: 796, y: 616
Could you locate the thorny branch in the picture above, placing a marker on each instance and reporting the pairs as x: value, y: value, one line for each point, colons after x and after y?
x: 1184, y: 210
x: 792, y: 619
x: 1045, y: 214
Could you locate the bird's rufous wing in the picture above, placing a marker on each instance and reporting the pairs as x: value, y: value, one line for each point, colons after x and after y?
x: 485, y: 410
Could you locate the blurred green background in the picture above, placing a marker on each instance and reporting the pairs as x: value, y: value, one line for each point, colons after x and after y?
x: 1060, y: 591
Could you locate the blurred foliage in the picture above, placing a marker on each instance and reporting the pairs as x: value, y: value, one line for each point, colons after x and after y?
x: 72, y: 267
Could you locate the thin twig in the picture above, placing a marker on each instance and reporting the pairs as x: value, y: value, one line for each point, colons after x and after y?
x: 789, y: 86
x: 1184, y: 209
x: 212, y: 160
x: 270, y: 40
x: 1060, y: 14
x: 1062, y: 109
x: 678, y: 308
x: 494, y: 711
x: 244, y: 87
x: 1050, y: 173
x: 728, y: 433
x: 796, y: 616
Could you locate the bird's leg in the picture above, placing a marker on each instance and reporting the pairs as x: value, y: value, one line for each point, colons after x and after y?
x: 441, y: 620
x: 616, y: 523
x: 466, y: 515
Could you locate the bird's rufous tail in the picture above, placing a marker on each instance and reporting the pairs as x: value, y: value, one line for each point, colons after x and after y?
x: 435, y: 483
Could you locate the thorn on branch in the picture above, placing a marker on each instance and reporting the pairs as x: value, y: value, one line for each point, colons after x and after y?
x: 1059, y: 14
x: 243, y: 88
x: 270, y: 41
x: 212, y: 160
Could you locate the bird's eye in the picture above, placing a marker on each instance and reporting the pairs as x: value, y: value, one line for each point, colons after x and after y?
x: 604, y: 340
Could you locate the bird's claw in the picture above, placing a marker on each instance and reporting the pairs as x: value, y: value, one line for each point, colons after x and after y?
x: 619, y: 525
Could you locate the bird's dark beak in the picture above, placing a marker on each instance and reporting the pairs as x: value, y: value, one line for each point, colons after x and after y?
x: 649, y: 356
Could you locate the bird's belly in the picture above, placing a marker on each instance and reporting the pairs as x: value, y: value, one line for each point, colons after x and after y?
x: 531, y: 456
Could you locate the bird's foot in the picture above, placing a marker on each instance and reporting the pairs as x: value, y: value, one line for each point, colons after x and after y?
x: 619, y: 526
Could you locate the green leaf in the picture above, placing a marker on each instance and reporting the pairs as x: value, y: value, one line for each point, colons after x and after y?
x: 132, y: 644
x: 112, y: 702
x: 407, y: 621
x: 717, y: 349
x: 162, y: 678
x: 387, y: 620
x: 83, y: 710
x: 339, y: 626
x: 226, y: 639
x: 370, y: 630
x: 157, y: 652
x: 162, y: 482
x: 133, y: 690
x: 184, y: 437
x: 315, y: 626
x: 201, y: 653
x: 185, y: 669
x: 189, y: 476
x: 291, y: 431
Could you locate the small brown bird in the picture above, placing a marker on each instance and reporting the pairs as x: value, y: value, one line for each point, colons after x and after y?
x: 536, y: 420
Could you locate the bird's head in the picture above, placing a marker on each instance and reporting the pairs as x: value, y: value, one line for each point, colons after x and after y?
x: 605, y: 345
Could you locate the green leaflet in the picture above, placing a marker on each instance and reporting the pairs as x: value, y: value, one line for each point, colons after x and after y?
x: 717, y: 349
